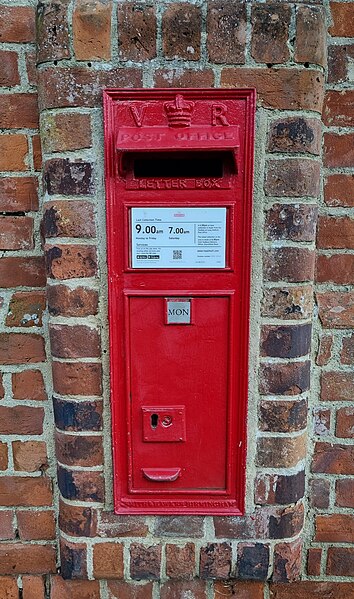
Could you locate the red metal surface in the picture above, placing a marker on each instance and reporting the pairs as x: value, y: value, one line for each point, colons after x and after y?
x: 179, y: 393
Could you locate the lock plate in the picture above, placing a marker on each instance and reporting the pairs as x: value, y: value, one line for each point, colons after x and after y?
x: 164, y: 424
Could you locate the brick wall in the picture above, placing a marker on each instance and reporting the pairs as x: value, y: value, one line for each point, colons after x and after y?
x: 298, y: 520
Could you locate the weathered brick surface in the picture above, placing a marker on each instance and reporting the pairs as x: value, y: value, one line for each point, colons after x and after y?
x: 57, y: 131
x: 181, y: 31
x: 137, y: 31
x: 226, y: 28
x: 310, y: 46
x: 270, y: 30
x: 336, y: 268
x: 92, y: 29
x: 295, y: 134
x: 108, y: 560
x: 18, y: 558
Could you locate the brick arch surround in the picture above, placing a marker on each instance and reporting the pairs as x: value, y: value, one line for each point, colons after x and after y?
x: 280, y: 48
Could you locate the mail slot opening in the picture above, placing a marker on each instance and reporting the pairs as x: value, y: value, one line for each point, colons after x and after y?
x: 188, y: 165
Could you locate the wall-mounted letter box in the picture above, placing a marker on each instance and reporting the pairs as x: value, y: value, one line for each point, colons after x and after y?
x: 179, y: 188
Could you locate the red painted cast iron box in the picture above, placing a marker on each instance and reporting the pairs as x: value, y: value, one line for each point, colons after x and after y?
x: 179, y: 166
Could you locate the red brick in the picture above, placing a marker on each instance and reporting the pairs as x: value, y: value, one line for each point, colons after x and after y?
x: 9, y: 68
x: 274, y: 489
x: 336, y: 309
x: 181, y: 31
x: 338, y: 268
x: 338, y: 109
x: 287, y: 561
x: 3, y: 456
x: 338, y: 150
x: 18, y: 194
x: 295, y: 222
x: 31, y: 67
x: 26, y: 491
x: 9, y: 589
x: 13, y: 152
x: 226, y: 31
x: 27, y: 271
x: 324, y: 352
x: 333, y: 458
x: 184, y: 78
x: 18, y: 558
x: 79, y: 451
x: 282, y: 416
x: 238, y: 588
x: 294, y: 265
x: 28, y: 384
x: 335, y: 232
x: 17, y: 24
x: 68, y: 177
x: 312, y: 590
x: 337, y: 386
x: 285, y: 341
x: 280, y: 452
x: 77, y: 415
x: 113, y: 525
x: 81, y: 86
x: 335, y: 528
x: 289, y: 303
x: 26, y: 309
x: 7, y: 531
x: 255, y: 525
x: 321, y: 421
x: 77, y: 341
x: 33, y: 587
x: 345, y: 423
x: 284, y: 379
x: 181, y: 527
x: 345, y: 492
x: 92, y: 29
x: 108, y: 560
x: 314, y: 561
x: 295, y: 134
x: 74, y: 589
x: 30, y: 456
x: 137, y: 31
x: 172, y: 589
x: 180, y: 561
x: 311, y: 35
x: 128, y: 590
x: 19, y: 111
x: 338, y: 56
x: 270, y: 30
x: 16, y: 233
x: 77, y: 379
x: 342, y: 14
x: 21, y: 420
x: 284, y: 89
x: 293, y: 177
x: 73, y: 558
x: 215, y: 561
x: 340, y: 561
x: 69, y: 219
x: 145, y: 561
x: 18, y: 348
x: 64, y: 301
x: 66, y: 131
x: 319, y: 490
x: 252, y: 561
x: 37, y: 152
x: 77, y: 521
x: 71, y: 261
x: 52, y: 30
x: 36, y: 526
x: 339, y: 190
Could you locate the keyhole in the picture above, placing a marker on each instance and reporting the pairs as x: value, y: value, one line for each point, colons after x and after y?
x: 154, y: 419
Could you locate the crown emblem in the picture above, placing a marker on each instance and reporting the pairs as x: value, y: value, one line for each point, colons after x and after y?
x: 179, y: 112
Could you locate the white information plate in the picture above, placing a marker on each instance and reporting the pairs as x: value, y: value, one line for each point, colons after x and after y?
x: 178, y: 237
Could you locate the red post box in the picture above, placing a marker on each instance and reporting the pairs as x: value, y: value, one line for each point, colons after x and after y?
x: 179, y: 169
